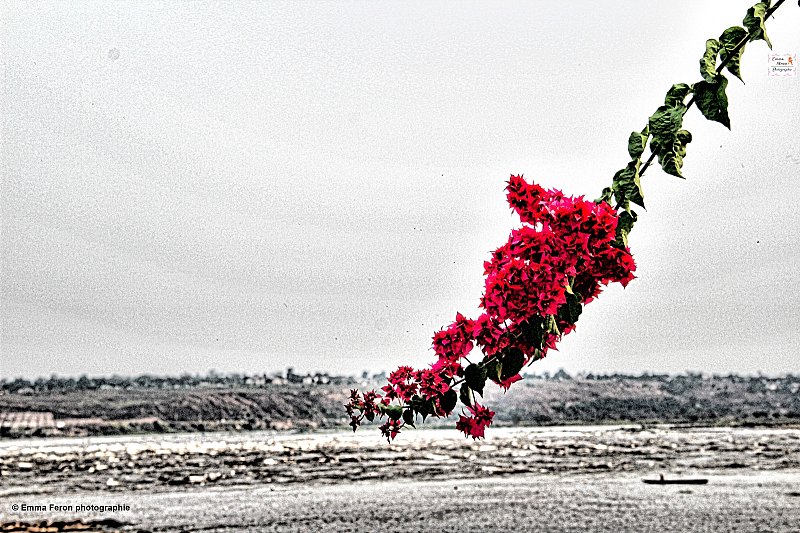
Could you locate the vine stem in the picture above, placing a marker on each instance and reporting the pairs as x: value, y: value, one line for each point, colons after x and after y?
x: 720, y: 68
x: 729, y: 56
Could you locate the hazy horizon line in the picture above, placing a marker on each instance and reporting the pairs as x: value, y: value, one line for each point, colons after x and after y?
x: 381, y: 374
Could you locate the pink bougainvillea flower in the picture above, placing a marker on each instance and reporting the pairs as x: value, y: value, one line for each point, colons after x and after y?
x: 536, y: 285
x: 431, y: 384
x: 474, y: 426
x: 456, y: 340
x: 506, y: 383
x: 402, y: 384
x: 390, y: 429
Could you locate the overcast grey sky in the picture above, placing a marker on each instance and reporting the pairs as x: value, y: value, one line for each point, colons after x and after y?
x: 250, y: 186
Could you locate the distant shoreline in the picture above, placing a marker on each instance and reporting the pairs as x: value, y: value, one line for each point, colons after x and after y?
x: 684, y: 400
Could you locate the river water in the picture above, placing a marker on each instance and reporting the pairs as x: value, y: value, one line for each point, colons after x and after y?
x: 534, y: 479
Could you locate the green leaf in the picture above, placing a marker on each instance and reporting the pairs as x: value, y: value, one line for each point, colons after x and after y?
x: 683, y: 138
x: 636, y: 144
x: 675, y: 96
x: 466, y: 396
x: 672, y: 161
x: 448, y: 400
x: 571, y: 310
x: 708, y: 64
x: 626, y: 184
x: 408, y: 417
x: 492, y: 367
x: 605, y: 196
x: 531, y: 331
x: 551, y: 326
x: 422, y: 406
x: 754, y: 22
x: 712, y: 101
x: 729, y: 39
x: 664, y: 124
x: 624, y: 226
x: 475, y: 377
x: 393, y: 411
x: 513, y: 361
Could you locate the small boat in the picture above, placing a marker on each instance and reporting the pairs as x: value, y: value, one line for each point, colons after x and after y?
x: 685, y: 481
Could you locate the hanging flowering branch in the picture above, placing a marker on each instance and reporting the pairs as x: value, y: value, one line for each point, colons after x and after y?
x: 566, y: 250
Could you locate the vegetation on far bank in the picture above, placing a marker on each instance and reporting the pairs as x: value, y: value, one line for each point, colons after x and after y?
x: 97, y: 406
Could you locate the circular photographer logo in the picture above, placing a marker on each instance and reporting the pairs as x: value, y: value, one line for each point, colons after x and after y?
x: 782, y: 65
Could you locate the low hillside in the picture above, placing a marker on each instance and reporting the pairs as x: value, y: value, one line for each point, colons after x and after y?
x: 694, y: 400
x: 730, y: 400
